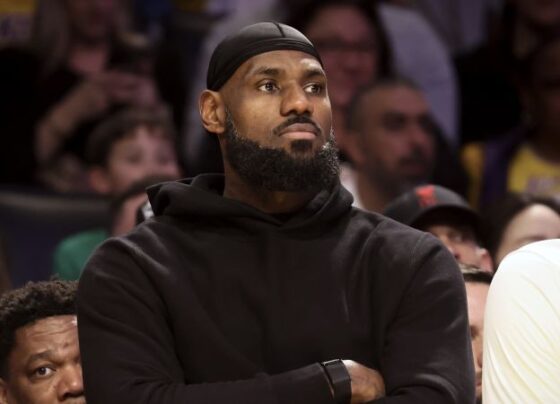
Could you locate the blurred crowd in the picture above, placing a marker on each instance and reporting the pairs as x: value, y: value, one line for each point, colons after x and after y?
x: 446, y: 114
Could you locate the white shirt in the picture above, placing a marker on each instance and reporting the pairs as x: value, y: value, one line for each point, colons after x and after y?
x: 522, y: 328
x: 348, y: 179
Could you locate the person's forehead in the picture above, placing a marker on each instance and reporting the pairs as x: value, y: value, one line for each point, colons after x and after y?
x: 46, y: 329
x: 286, y: 62
x: 344, y: 20
x: 534, y: 219
x: 446, y: 225
x: 397, y: 98
x: 141, y: 133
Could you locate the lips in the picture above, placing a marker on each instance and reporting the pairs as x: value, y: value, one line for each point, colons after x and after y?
x: 300, y: 131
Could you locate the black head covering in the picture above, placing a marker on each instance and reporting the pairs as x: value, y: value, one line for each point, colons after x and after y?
x: 251, y: 41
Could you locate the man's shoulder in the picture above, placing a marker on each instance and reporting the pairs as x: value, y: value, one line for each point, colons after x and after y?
x: 383, y: 226
x: 388, y: 237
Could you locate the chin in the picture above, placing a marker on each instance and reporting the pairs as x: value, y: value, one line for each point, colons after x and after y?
x: 302, y: 147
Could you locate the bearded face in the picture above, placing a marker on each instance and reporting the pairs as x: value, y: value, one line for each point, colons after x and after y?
x: 276, y: 169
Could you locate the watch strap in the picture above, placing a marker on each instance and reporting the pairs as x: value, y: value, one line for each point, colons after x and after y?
x: 340, y: 380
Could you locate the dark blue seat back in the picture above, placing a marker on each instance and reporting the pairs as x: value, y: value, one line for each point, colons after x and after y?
x: 33, y: 222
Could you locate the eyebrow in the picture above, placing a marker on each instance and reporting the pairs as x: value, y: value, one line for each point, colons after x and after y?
x: 263, y: 71
x: 276, y: 72
x: 313, y: 72
x: 40, y: 356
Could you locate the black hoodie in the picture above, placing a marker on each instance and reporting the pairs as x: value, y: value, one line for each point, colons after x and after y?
x: 213, y: 301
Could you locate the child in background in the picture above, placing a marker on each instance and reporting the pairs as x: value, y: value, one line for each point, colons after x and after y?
x: 130, y: 145
x: 133, y: 147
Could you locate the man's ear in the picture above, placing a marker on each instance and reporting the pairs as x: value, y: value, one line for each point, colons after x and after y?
x: 486, y: 263
x: 212, y: 111
x: 3, y: 392
x: 99, y: 181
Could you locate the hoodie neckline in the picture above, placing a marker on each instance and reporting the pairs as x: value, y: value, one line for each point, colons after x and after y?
x: 202, y: 198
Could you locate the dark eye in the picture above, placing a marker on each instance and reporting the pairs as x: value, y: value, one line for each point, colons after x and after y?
x: 268, y: 87
x: 314, y: 88
x: 42, y: 371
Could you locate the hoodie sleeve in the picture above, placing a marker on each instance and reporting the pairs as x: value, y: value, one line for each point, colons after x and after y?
x: 127, y: 345
x: 427, y: 354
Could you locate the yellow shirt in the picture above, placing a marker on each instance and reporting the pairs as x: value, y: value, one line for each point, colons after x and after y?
x: 529, y: 173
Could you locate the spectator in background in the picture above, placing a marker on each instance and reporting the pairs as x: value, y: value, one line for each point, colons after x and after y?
x: 522, y: 325
x: 526, y: 159
x: 360, y: 41
x: 519, y: 219
x: 477, y: 283
x: 39, y: 351
x: 127, y: 210
x: 134, y: 146
x: 447, y: 216
x: 428, y: 65
x: 490, y: 104
x: 394, y: 145
x: 353, y: 46
x: 128, y: 146
x: 463, y: 25
x: 84, y: 63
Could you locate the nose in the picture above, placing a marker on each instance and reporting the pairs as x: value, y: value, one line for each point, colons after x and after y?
x: 296, y: 101
x: 71, y: 383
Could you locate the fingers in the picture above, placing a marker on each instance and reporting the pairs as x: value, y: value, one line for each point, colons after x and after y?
x: 367, y: 383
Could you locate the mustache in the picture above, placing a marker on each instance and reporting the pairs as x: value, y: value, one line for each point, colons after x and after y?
x: 296, y: 119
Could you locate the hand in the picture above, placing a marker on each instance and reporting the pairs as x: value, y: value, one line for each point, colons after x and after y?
x: 86, y: 100
x: 131, y: 89
x: 367, y: 384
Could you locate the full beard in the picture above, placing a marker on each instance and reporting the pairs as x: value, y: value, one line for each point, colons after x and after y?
x: 274, y: 169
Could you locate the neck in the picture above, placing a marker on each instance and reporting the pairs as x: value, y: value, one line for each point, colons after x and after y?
x: 373, y: 198
x: 266, y: 201
x: 88, y: 58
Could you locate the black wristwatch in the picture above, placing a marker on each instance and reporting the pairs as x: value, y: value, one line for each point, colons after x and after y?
x: 340, y: 380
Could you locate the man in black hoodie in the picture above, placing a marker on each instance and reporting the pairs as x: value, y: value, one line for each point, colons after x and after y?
x: 248, y: 287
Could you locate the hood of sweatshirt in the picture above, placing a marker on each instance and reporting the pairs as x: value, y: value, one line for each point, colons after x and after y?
x: 201, y: 198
